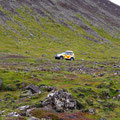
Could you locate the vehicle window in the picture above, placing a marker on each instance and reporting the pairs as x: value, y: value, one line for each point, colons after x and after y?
x: 69, y: 53
x: 66, y: 53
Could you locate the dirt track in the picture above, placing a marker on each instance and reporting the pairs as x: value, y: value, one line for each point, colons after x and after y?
x: 11, y: 56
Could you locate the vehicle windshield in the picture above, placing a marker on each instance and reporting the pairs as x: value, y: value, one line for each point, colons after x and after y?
x: 69, y: 53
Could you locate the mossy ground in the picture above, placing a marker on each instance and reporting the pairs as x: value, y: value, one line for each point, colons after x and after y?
x: 85, y: 87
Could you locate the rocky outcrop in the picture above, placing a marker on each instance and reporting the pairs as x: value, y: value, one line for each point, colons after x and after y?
x: 33, y: 88
x: 60, y: 101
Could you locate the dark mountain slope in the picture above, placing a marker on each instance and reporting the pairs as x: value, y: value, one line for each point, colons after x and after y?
x: 91, y: 22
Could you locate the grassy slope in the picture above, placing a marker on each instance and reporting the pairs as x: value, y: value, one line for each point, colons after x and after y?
x: 29, y: 37
x: 50, y: 38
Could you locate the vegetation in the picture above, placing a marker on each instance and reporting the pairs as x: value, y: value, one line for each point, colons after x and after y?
x: 28, y: 43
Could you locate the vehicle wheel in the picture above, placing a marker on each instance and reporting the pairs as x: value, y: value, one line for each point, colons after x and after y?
x: 72, y: 59
x: 61, y: 57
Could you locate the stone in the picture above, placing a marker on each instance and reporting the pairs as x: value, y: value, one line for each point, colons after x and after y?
x: 12, y: 114
x: 33, y: 88
x: 0, y: 83
x: 34, y: 118
x: 43, y: 55
x: 60, y: 101
x: 24, y: 107
x: 103, y: 119
x: 101, y: 74
x: 28, y: 112
x: 1, y: 112
x: 92, y: 111
x: 118, y: 96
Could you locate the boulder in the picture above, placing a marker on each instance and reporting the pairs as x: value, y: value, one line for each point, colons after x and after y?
x: 33, y: 88
x: 60, y: 101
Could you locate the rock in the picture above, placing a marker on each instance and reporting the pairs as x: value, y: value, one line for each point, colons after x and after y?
x: 57, y: 68
x: 105, y: 94
x: 28, y: 112
x: 118, y: 96
x: 12, y: 114
x: 23, y: 110
x: 26, y: 93
x: 0, y: 83
x: 84, y: 53
x: 23, y: 107
x: 103, y: 119
x: 116, y: 66
x: 1, y: 112
x: 33, y: 118
x: 81, y: 95
x: 101, y: 74
x: 33, y: 88
x: 115, y: 73
x: 60, y: 101
x: 43, y: 55
x: 92, y: 111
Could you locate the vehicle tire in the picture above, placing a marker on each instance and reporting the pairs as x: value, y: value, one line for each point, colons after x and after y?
x: 72, y: 59
x: 61, y: 57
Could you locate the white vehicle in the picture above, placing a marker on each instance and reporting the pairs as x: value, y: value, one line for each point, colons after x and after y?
x: 68, y: 55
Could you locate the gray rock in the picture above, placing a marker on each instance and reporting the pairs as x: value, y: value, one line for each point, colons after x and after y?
x: 33, y: 88
x: 12, y: 114
x: 23, y: 107
x: 101, y: 74
x: 28, y: 112
x: 1, y: 112
x: 118, y: 96
x: 0, y: 82
x: 60, y: 101
x: 34, y: 118
x: 103, y: 119
x: 43, y: 55
x: 92, y: 111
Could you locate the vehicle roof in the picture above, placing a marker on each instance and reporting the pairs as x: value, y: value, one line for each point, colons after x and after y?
x: 68, y: 51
